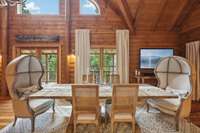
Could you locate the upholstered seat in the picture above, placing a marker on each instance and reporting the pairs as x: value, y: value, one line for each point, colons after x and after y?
x: 39, y: 104
x: 174, y: 75
x: 166, y: 105
x: 23, y: 76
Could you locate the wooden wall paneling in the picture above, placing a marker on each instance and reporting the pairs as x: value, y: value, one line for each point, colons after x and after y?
x: 4, y: 46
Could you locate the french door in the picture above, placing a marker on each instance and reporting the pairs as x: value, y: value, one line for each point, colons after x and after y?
x: 103, y: 63
x: 49, y: 60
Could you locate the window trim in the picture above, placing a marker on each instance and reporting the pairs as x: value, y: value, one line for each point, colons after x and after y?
x: 95, y: 3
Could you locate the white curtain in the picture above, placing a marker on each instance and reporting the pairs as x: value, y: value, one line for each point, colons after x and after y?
x: 193, y: 55
x: 82, y: 53
x: 122, y: 40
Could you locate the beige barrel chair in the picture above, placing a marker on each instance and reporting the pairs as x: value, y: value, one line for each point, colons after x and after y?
x: 174, y: 75
x: 23, y: 76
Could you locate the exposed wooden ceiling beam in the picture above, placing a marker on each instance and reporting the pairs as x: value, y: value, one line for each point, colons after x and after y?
x: 135, y: 17
x: 125, y: 11
x: 183, y: 12
x: 192, y: 28
x: 161, y: 10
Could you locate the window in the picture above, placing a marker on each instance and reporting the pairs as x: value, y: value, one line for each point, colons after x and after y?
x: 103, y: 63
x: 89, y: 7
x: 37, y: 7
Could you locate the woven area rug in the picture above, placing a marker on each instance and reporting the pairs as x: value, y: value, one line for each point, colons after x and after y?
x: 152, y: 122
x: 44, y: 123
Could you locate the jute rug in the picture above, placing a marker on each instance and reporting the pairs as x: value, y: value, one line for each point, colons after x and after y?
x: 153, y: 122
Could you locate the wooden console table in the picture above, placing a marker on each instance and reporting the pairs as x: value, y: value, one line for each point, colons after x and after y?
x: 141, y: 79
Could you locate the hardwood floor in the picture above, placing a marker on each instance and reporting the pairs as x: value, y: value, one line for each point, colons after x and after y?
x: 7, y: 116
x: 6, y: 113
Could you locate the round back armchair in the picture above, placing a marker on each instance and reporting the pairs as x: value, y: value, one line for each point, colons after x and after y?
x: 23, y: 76
x: 174, y: 75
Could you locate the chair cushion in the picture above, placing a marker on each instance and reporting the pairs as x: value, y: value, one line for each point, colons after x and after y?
x: 168, y: 104
x: 123, y: 116
x: 86, y: 117
x: 38, y: 105
x: 27, y: 91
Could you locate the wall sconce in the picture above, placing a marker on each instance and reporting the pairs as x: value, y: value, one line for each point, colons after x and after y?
x: 71, y: 57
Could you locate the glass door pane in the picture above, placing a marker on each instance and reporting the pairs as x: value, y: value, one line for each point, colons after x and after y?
x: 49, y: 61
x: 109, y: 63
x: 95, y: 63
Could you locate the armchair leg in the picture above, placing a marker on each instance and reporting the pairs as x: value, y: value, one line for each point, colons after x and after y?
x: 32, y: 124
x: 15, y: 121
x: 148, y: 107
x: 177, y: 124
x: 53, y: 107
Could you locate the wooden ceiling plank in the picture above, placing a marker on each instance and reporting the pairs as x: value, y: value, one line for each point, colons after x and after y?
x: 135, y: 17
x: 161, y: 10
x: 183, y: 12
x: 125, y: 11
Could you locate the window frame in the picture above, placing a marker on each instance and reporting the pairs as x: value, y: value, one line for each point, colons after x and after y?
x: 21, y: 14
x: 96, y: 4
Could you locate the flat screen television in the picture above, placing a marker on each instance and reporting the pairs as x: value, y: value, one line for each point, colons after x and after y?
x: 149, y: 57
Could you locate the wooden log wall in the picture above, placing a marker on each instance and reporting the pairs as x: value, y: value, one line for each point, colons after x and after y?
x: 3, y: 48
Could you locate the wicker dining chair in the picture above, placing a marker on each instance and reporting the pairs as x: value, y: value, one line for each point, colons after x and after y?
x: 86, y: 109
x: 124, y: 100
x: 91, y: 78
x: 113, y: 79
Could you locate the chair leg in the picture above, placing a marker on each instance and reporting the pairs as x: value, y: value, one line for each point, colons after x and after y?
x: 15, y: 121
x: 74, y: 127
x: 133, y: 127
x: 53, y: 107
x: 97, y: 128
x: 112, y: 127
x: 32, y: 124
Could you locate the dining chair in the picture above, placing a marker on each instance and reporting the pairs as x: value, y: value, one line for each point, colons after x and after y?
x: 90, y: 78
x: 86, y: 109
x: 23, y: 76
x: 124, y: 100
x: 113, y: 79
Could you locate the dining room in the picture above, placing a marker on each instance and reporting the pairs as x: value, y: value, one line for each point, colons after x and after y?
x: 99, y: 66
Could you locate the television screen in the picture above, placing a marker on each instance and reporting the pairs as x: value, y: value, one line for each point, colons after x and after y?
x: 150, y: 57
